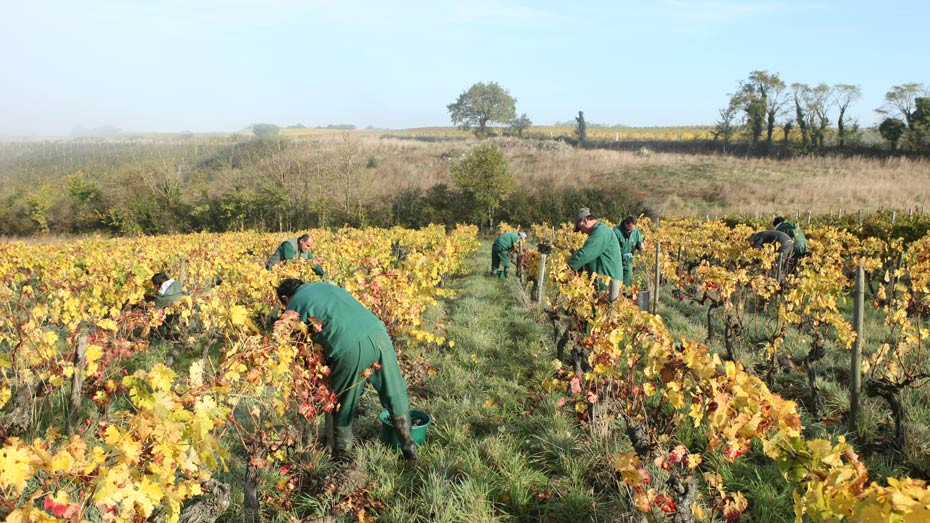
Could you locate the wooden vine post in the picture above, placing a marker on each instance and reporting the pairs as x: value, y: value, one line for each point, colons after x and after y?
x: 541, y: 278
x: 855, y: 364
x: 658, y: 275
x: 77, y: 383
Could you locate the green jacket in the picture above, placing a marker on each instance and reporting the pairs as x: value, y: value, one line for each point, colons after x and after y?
x: 171, y: 294
x: 289, y: 250
x: 600, y: 254
x: 795, y: 233
x: 506, y: 241
x: 346, y: 322
x: 629, y: 242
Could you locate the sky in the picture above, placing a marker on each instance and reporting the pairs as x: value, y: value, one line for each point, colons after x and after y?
x: 220, y: 65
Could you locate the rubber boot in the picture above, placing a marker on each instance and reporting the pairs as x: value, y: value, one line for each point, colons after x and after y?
x: 342, y: 443
x: 403, y: 426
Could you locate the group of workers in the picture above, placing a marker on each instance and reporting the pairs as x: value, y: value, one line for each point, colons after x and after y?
x: 353, y: 339
x: 610, y: 252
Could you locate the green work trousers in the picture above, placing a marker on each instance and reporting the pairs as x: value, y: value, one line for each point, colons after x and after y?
x: 500, y: 258
x: 628, y: 274
x: 348, y: 383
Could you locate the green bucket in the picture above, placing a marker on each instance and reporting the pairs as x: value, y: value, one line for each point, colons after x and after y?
x: 389, y: 436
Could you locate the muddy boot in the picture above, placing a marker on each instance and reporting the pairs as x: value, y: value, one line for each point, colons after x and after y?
x: 402, y: 426
x: 342, y: 443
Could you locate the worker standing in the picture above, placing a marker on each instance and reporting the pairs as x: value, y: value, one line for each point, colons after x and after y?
x: 600, y: 253
x: 631, y: 241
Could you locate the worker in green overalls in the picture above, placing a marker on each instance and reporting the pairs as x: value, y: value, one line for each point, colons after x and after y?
x: 631, y: 240
x: 295, y: 249
x: 600, y: 253
x: 500, y: 251
x: 168, y: 290
x: 353, y: 340
x: 795, y: 233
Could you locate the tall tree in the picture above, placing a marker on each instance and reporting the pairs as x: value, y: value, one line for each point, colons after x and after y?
x: 751, y: 100
x: 484, y: 177
x: 482, y: 104
x: 818, y: 109
x: 799, y: 93
x: 901, y: 99
x: 843, y: 96
x: 581, y: 129
x: 920, y: 121
x: 771, y: 90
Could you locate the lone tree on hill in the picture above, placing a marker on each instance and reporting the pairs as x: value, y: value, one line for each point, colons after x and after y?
x: 484, y: 178
x: 482, y: 104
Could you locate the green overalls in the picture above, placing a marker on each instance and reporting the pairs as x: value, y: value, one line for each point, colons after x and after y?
x: 629, y: 243
x: 600, y: 254
x: 795, y: 233
x: 289, y: 250
x: 353, y: 339
x: 171, y: 294
x: 500, y: 252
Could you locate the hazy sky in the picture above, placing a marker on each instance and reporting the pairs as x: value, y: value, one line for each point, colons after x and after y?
x: 212, y: 65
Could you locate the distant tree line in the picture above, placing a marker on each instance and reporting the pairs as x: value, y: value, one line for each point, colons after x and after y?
x: 764, y: 116
x: 765, y: 106
x: 266, y: 184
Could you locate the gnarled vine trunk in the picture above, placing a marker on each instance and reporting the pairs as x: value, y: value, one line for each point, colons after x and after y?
x: 892, y: 395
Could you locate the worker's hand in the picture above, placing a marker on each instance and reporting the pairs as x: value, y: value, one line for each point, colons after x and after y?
x: 315, y: 325
x: 285, y: 320
x: 628, y: 257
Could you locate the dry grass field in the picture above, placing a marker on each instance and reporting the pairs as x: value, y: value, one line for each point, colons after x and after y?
x: 346, y: 171
x: 674, y: 184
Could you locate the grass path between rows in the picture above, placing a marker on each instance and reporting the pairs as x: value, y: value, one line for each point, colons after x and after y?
x: 499, y: 448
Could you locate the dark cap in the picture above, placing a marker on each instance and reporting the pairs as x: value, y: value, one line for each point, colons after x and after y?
x: 582, y: 213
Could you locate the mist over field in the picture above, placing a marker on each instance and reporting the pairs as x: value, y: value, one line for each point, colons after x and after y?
x: 211, y: 66
x: 621, y: 261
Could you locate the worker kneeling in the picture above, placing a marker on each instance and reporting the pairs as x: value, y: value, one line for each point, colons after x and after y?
x: 353, y: 340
